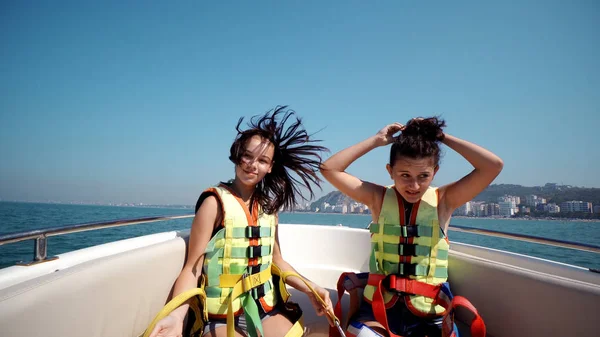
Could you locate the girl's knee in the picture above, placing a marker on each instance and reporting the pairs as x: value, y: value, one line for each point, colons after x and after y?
x: 276, y: 326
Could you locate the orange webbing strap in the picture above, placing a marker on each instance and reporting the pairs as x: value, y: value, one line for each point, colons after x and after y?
x: 477, y: 324
x: 337, y: 311
x: 378, y: 306
x: 378, y: 303
x: 420, y: 288
x: 408, y: 286
x: 354, y: 299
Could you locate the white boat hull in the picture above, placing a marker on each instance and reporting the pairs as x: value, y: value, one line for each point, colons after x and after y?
x: 116, y: 289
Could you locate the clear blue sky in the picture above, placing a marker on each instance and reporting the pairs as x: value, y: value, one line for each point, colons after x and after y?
x: 137, y: 103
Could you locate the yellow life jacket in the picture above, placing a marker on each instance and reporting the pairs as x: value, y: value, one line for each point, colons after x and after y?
x: 238, y: 274
x: 408, y: 248
x: 243, y: 246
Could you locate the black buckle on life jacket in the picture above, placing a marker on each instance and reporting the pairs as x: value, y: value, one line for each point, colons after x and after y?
x: 406, y: 269
x: 254, y: 269
x: 258, y: 292
x: 407, y: 249
x: 253, y: 232
x: 412, y: 231
x: 254, y: 251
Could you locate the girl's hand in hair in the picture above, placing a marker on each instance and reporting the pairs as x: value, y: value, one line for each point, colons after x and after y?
x: 385, y: 136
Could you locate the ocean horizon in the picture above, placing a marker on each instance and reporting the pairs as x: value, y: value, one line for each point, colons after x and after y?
x: 24, y: 216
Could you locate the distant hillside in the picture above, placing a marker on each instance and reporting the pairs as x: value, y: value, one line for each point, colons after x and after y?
x: 332, y: 198
x: 553, y: 194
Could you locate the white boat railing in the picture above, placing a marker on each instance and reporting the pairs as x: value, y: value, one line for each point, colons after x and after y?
x: 40, y: 251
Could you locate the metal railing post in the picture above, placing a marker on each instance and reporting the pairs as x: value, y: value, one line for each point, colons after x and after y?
x: 41, y: 248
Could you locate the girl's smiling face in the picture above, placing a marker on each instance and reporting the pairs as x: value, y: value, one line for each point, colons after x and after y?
x: 256, y: 161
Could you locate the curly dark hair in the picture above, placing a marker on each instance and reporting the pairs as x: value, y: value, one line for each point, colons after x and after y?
x: 419, y: 139
x: 294, y: 154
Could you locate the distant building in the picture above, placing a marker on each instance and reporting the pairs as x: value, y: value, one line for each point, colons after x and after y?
x: 507, y: 208
x: 533, y: 200
x: 576, y: 206
x: 478, y: 208
x: 357, y: 207
x: 542, y: 207
x: 597, y: 209
x: 464, y: 209
x: 510, y: 198
x: 492, y: 209
x: 552, y: 208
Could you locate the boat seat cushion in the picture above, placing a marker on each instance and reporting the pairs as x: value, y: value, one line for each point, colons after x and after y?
x: 115, y: 296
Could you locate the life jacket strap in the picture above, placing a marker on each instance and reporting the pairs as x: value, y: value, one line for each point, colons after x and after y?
x: 241, y: 285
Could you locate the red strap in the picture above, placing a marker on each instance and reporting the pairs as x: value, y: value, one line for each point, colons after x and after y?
x: 415, y: 287
x: 333, y: 331
x: 423, y: 289
x: 354, y: 279
x: 375, y: 279
x: 379, y: 312
x: 477, y: 324
x: 405, y: 285
x: 411, y: 287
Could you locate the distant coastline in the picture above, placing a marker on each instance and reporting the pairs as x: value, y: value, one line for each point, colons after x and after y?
x: 99, y: 204
x: 525, y: 218
x: 496, y: 217
x: 187, y: 207
x: 328, y: 213
x: 472, y: 217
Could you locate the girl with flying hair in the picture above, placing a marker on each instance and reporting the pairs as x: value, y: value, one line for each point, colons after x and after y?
x: 233, y: 252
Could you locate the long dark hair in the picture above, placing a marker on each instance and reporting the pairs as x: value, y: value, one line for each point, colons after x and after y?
x: 294, y: 154
x: 419, y: 139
